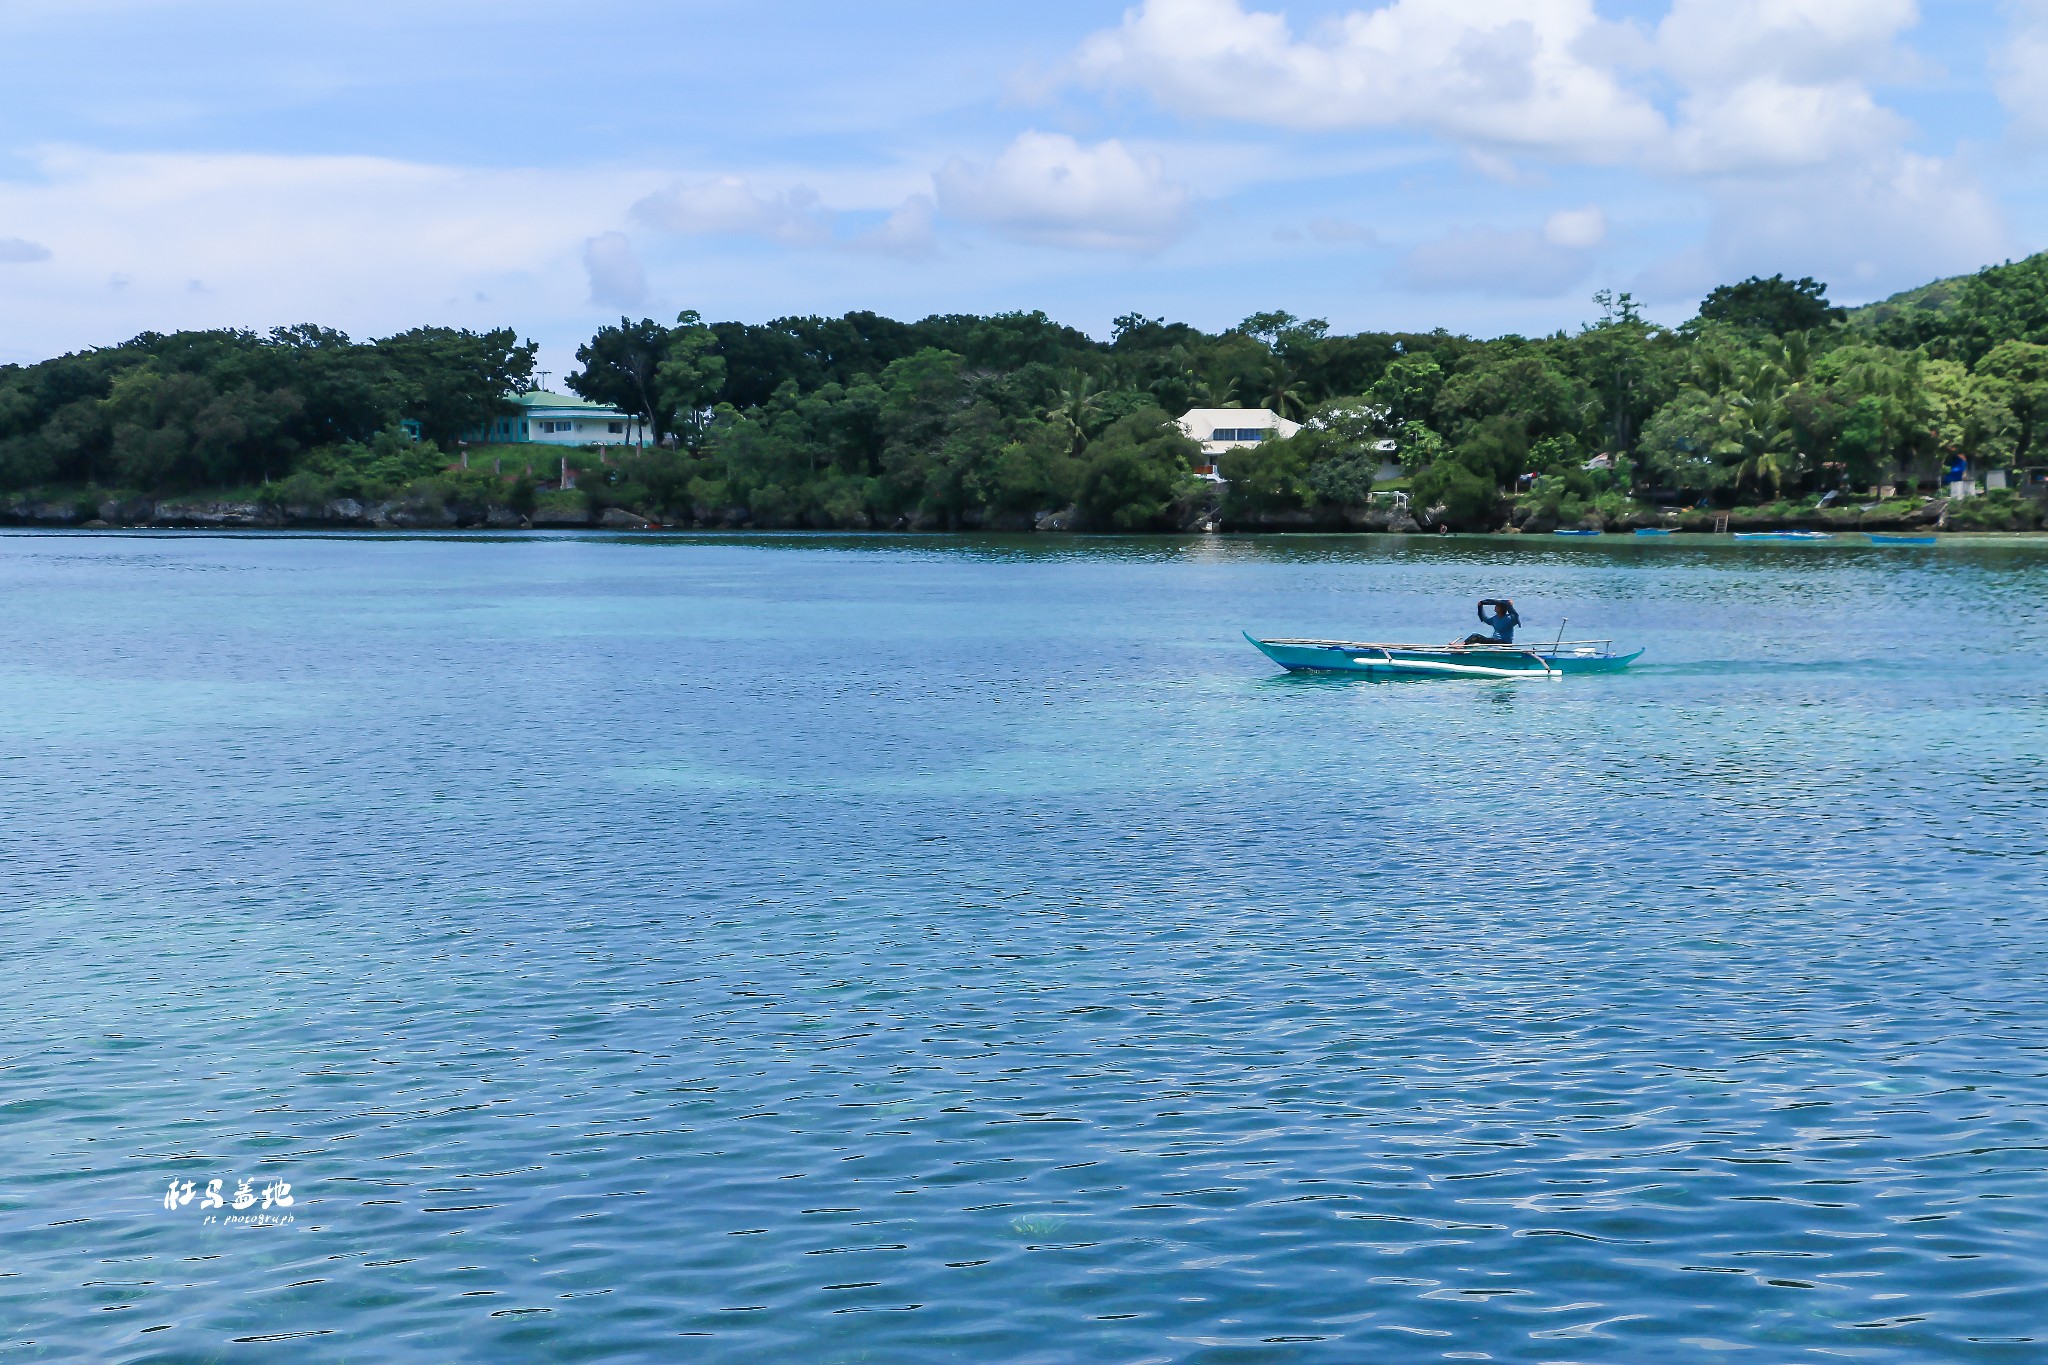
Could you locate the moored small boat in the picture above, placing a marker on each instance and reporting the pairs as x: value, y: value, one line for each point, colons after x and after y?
x: 1575, y: 531
x: 1506, y: 662
x: 1652, y: 531
x: 1784, y: 535
x: 1876, y: 539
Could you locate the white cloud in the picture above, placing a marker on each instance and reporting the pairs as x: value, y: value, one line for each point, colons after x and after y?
x: 1808, y: 41
x: 363, y: 243
x: 1509, y: 73
x: 1761, y: 84
x: 2021, y: 68
x: 1772, y: 125
x: 1781, y: 84
x: 1866, y: 229
x: 1766, y: 111
x: 1576, y: 229
x: 21, y: 251
x: 1805, y: 171
x: 1048, y: 188
x: 908, y: 232
x: 730, y: 206
x: 617, y: 279
x: 1521, y: 262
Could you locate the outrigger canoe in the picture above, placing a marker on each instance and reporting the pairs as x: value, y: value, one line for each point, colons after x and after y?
x: 1784, y: 535
x: 1517, y: 662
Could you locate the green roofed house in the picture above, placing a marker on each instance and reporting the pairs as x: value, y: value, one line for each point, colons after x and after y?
x: 558, y: 420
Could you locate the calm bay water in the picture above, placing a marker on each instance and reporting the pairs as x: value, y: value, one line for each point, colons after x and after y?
x: 904, y: 950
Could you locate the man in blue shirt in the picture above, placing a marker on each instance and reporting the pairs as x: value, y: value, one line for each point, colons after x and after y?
x: 1502, y: 623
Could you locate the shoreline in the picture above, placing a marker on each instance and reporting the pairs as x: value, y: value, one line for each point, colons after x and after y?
x: 1689, y: 539
x: 412, y: 513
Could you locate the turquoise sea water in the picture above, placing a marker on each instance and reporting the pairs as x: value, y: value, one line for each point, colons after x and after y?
x: 912, y: 950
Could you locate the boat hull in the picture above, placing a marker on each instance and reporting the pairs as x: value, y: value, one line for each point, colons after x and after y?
x: 1414, y: 661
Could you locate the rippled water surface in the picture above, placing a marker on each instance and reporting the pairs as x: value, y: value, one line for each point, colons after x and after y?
x: 906, y: 950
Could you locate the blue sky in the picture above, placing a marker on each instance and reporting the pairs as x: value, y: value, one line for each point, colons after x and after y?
x: 1483, y: 165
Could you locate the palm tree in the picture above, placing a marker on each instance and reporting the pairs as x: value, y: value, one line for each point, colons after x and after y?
x: 1764, y: 463
x: 1709, y: 371
x: 1754, y: 428
x: 1795, y: 356
x: 1284, y: 394
x: 1076, y: 403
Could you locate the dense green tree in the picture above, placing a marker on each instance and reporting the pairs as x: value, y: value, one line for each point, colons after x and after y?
x: 1407, y: 390
x: 689, y: 379
x: 1626, y: 363
x: 175, y: 430
x: 758, y: 362
x: 1883, y: 417
x: 621, y: 366
x: 1341, y: 447
x: 1776, y: 305
x: 458, y: 380
x: 345, y: 391
x: 1271, y: 476
x: 1999, y: 303
x: 1343, y: 480
x: 925, y: 398
x: 1510, y: 382
x: 1007, y: 341
x: 1469, y: 500
x: 1972, y: 415
x: 1032, y: 473
x: 69, y: 442
x: 1139, y: 473
x: 2020, y: 371
x: 1681, y: 445
x: 964, y: 420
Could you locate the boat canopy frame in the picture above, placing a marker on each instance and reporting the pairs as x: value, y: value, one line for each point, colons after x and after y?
x: 1578, y: 647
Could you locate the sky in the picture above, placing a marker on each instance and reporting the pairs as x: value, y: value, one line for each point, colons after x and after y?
x: 1480, y: 165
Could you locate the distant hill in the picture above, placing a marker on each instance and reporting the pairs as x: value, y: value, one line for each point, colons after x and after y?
x: 1939, y: 298
x: 1965, y: 316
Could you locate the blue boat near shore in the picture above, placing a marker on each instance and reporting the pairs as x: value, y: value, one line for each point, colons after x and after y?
x: 1576, y: 531
x: 1784, y: 535
x: 1653, y: 531
x: 1876, y: 539
x: 1516, y: 663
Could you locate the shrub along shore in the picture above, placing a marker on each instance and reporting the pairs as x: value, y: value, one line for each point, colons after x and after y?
x: 466, y: 506
x: 458, y: 505
x: 1771, y: 407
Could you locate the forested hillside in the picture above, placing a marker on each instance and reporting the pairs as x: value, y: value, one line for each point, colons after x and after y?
x: 1769, y: 396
